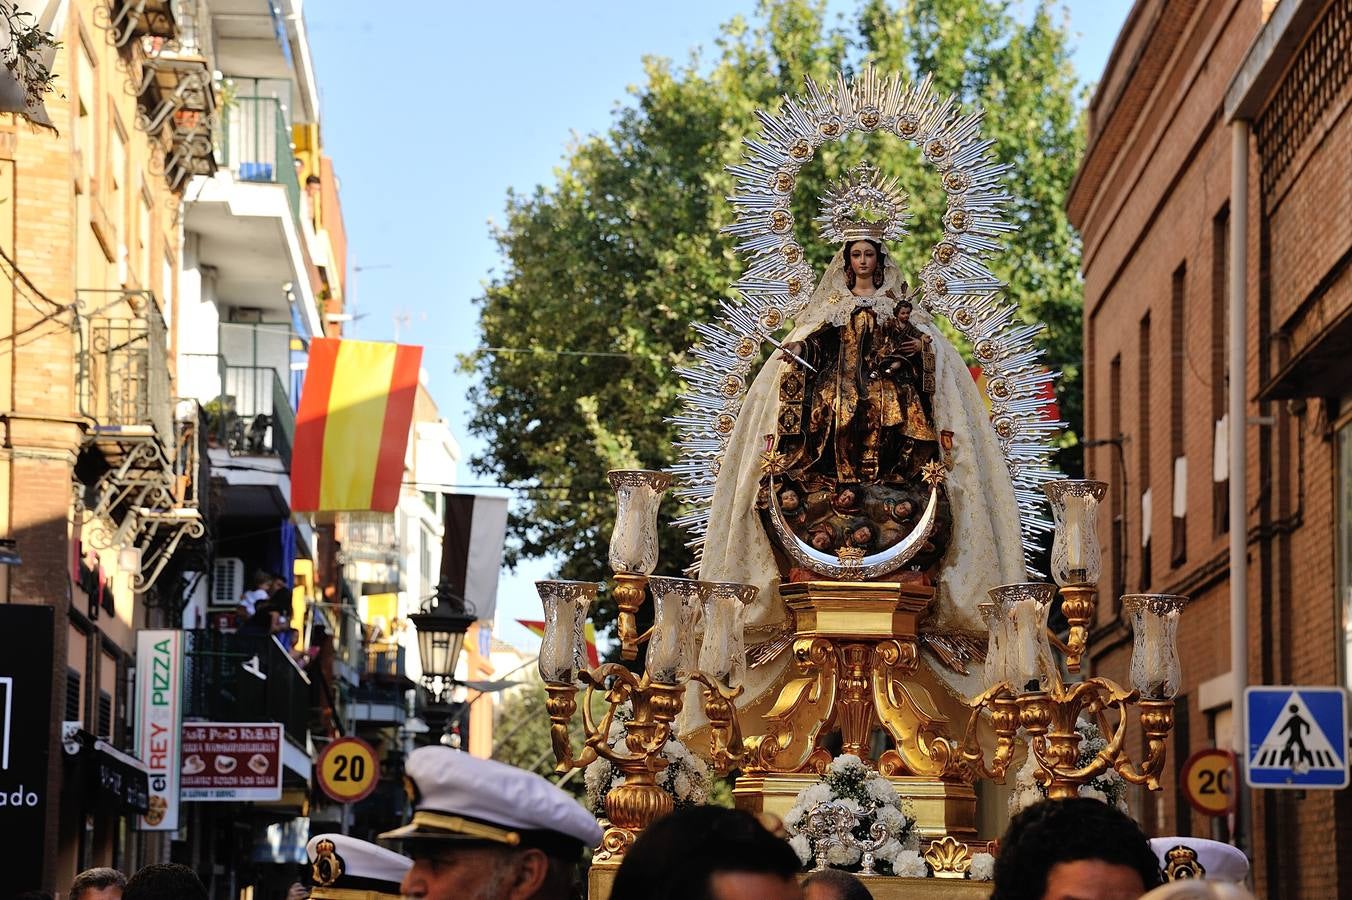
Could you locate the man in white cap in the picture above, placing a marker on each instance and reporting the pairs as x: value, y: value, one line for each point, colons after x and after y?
x: 484, y: 830
x: 345, y: 868
x: 1185, y: 858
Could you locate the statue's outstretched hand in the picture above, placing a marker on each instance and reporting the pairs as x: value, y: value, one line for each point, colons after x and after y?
x: 791, y: 349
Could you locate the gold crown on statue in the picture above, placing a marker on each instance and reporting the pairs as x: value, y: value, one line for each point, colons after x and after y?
x: 863, y: 206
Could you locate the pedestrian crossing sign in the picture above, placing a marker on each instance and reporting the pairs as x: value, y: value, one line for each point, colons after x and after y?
x: 1296, y: 737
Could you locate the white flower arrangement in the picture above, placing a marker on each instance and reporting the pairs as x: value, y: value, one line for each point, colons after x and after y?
x: 1108, y: 788
x: 685, y: 778
x: 871, y: 798
x: 982, y: 868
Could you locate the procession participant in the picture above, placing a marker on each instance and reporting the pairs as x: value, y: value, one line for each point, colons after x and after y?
x: 1189, y: 858
x: 1078, y: 848
x: 344, y: 868
x: 98, y: 884
x: 484, y: 830
x: 165, y: 881
x: 708, y: 852
x: 834, y: 884
x: 1199, y: 890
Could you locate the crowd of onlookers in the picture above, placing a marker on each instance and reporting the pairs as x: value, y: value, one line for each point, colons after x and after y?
x: 265, y: 609
x: 484, y: 830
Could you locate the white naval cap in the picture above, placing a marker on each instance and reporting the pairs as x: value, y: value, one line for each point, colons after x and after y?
x: 341, y: 865
x: 461, y: 797
x: 1182, y: 858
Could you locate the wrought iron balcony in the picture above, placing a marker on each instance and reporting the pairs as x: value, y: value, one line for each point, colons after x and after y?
x: 256, y: 145
x: 247, y: 409
x: 245, y: 678
x: 123, y: 361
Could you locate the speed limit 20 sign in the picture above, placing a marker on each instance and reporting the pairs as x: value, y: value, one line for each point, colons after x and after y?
x: 347, y: 770
x: 1208, y: 781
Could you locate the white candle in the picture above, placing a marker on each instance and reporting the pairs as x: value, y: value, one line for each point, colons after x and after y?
x: 1074, y: 511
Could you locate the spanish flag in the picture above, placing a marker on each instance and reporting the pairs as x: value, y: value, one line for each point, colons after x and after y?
x: 352, y: 426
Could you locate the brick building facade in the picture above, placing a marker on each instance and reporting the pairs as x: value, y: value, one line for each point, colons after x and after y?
x: 1155, y: 204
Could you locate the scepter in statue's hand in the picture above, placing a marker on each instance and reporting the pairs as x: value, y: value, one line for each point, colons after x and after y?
x: 785, y: 351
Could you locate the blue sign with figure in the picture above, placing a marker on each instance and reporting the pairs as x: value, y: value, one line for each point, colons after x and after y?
x: 1296, y: 737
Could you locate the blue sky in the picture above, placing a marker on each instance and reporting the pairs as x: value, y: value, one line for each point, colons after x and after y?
x: 432, y: 110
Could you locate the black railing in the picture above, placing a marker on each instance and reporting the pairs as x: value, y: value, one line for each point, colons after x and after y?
x: 245, y: 678
x: 385, y: 663
x: 123, y: 359
x: 247, y: 407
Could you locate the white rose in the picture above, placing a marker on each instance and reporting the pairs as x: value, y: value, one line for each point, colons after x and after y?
x: 851, y: 804
x: 682, y: 785
x: 845, y: 763
x: 1093, y: 794
x: 818, y: 793
x: 888, y: 851
x: 909, y: 864
x: 891, y: 818
x: 881, y: 790
x: 983, y: 867
x: 793, y: 817
x: 800, y: 845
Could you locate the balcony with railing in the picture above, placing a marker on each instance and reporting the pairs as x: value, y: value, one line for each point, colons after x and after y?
x: 256, y: 145
x: 124, y: 385
x: 245, y: 678
x: 247, y: 408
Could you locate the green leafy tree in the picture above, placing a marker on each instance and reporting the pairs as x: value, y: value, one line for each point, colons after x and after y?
x: 604, y: 271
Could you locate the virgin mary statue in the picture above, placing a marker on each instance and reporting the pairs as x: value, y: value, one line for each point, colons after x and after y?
x: 838, y: 443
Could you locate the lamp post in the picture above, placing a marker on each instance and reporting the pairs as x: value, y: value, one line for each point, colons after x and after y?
x: 441, y: 628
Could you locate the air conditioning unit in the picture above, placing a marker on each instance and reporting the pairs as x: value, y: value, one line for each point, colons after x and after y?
x: 227, y: 582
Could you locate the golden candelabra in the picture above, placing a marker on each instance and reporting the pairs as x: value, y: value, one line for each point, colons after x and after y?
x: 854, y: 668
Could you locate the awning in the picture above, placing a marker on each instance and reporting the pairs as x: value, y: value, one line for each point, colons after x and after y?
x: 1319, y: 369
x: 113, y: 780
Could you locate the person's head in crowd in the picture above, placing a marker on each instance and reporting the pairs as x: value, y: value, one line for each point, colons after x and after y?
x: 1199, y: 890
x: 98, y: 884
x: 708, y: 853
x: 833, y: 884
x: 261, y: 580
x: 1079, y: 848
x: 484, y: 829
x: 164, y: 881
x: 263, y: 621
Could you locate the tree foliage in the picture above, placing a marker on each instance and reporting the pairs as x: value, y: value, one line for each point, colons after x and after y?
x: 605, y: 270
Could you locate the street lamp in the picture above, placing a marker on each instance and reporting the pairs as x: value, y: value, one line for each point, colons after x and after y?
x: 441, y: 628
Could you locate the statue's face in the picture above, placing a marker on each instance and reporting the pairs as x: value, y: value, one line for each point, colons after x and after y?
x: 863, y: 259
x: 903, y: 314
x: 821, y: 540
x: 788, y: 501
x: 861, y: 536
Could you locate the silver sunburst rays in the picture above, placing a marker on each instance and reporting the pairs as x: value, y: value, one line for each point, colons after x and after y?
x: 956, y: 282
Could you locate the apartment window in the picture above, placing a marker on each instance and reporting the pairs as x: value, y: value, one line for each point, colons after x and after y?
x: 105, y: 715
x: 1220, y: 293
x: 1143, y: 444
x: 144, y: 232
x: 1178, y: 553
x: 73, y: 697
x: 117, y: 198
x: 1119, y: 513
x: 84, y: 126
x: 1344, y: 553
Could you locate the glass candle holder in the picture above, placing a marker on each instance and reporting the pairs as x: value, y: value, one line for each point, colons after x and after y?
x: 1155, y: 670
x: 996, y: 666
x: 1023, y: 607
x: 633, y: 543
x: 1075, y: 544
x: 563, y: 649
x: 722, y: 653
x: 671, y: 650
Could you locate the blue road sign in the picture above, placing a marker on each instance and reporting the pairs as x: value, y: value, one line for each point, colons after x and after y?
x: 1296, y: 737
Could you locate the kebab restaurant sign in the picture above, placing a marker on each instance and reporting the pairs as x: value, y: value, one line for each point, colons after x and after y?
x: 159, y: 716
x: 232, y: 761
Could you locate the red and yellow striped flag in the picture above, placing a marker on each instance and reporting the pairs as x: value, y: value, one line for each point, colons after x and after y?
x: 352, y: 425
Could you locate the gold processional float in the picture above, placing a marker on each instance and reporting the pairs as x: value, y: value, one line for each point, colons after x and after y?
x: 860, y: 516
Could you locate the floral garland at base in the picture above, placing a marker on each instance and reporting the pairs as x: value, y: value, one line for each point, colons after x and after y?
x: 871, y: 798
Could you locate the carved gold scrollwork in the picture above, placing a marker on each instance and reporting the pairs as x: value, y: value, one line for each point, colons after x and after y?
x: 801, y: 711
x: 909, y: 714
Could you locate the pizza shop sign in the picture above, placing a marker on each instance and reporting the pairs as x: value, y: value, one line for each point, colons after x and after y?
x: 232, y: 761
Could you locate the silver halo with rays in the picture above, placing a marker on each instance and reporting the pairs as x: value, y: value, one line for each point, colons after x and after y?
x: 777, y: 282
